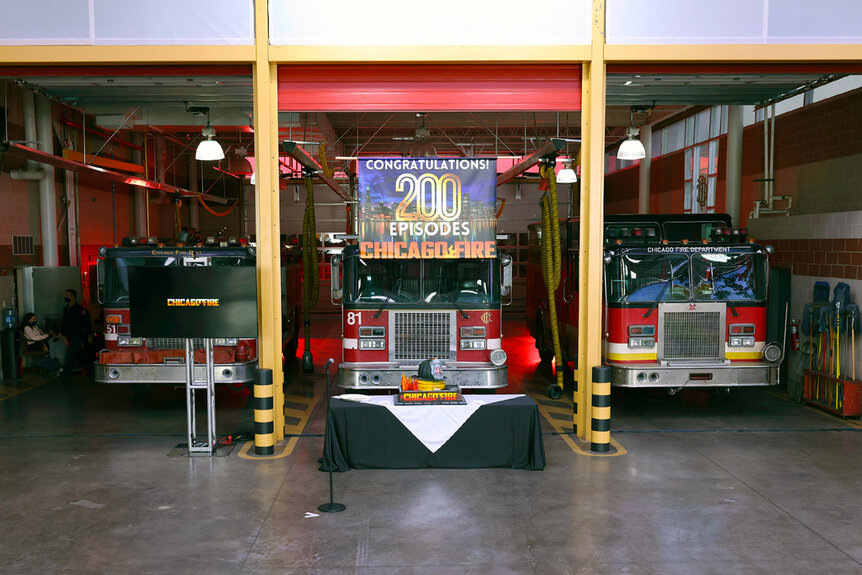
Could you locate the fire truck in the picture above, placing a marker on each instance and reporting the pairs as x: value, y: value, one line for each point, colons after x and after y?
x: 398, y: 312
x: 684, y: 302
x: 141, y: 360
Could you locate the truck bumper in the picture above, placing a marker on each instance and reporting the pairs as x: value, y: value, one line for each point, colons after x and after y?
x: 387, y: 375
x: 694, y: 375
x: 172, y: 374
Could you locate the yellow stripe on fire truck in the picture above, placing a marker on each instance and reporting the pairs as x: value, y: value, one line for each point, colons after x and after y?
x: 622, y: 352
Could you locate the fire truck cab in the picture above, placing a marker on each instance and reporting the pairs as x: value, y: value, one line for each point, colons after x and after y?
x: 398, y: 312
x: 141, y: 360
x: 684, y: 302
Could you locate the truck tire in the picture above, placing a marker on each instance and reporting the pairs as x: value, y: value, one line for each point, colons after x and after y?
x: 545, y: 355
x: 292, y: 346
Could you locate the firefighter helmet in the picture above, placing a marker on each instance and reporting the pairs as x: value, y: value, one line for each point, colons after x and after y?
x: 431, y: 369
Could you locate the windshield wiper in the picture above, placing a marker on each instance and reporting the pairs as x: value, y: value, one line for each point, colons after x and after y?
x: 668, y: 283
x: 721, y: 292
x: 459, y: 308
x: 388, y: 299
x: 658, y: 297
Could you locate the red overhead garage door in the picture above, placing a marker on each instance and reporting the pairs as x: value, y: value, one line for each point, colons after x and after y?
x: 432, y: 87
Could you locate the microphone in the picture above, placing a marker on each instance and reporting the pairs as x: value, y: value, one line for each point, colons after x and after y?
x: 330, y: 507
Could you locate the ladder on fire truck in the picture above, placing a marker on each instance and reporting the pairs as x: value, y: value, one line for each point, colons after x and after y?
x: 200, y: 446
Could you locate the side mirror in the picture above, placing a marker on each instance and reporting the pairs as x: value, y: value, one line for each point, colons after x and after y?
x: 506, y: 260
x: 335, y: 291
x: 100, y: 274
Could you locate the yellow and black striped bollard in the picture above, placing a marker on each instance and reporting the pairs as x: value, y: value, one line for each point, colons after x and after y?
x: 264, y: 415
x: 601, y: 403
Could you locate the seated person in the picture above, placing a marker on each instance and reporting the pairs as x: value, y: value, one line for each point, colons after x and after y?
x: 34, y: 337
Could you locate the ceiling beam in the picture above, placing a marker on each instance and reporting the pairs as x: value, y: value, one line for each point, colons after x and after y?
x: 296, y: 152
x: 551, y: 147
x: 27, y: 153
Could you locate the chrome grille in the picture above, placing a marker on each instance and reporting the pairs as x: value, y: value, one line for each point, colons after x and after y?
x: 692, y: 335
x: 172, y: 343
x: 420, y: 335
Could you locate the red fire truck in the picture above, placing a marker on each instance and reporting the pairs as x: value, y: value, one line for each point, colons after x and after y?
x: 684, y: 302
x: 398, y: 312
x: 140, y: 360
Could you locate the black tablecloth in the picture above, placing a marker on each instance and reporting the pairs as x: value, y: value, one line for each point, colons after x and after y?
x: 501, y: 434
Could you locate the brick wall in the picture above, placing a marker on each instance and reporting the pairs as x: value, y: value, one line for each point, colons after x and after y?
x: 827, y: 258
x: 818, y: 161
x: 19, y: 216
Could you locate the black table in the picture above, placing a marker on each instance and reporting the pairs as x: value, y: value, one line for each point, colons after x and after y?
x: 502, y: 434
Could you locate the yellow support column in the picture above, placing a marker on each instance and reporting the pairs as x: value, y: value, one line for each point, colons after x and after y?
x: 267, y: 218
x: 592, y: 216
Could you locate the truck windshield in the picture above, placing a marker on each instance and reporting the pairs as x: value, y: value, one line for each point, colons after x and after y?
x: 463, y: 281
x: 649, y: 277
x: 428, y: 281
x: 116, y: 281
x: 734, y: 277
x: 384, y: 280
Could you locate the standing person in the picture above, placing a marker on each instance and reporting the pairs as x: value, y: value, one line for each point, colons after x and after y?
x: 75, y: 328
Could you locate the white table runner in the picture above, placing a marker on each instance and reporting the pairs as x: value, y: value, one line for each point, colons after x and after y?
x: 433, y: 425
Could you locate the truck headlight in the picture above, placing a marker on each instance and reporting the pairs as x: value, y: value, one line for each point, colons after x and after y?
x: 641, y: 342
x: 737, y: 341
x: 472, y: 344
x: 372, y: 344
x: 225, y: 341
x: 128, y: 341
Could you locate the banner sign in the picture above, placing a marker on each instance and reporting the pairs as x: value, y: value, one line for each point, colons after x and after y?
x: 411, y: 208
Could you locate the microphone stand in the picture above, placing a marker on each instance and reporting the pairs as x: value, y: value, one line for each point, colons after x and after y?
x: 330, y: 507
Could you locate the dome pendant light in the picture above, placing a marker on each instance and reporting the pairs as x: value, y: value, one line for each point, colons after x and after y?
x: 567, y: 175
x: 631, y: 148
x: 209, y: 150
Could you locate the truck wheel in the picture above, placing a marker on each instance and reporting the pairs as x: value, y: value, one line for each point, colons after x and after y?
x: 555, y: 391
x: 291, y: 348
x: 545, y: 355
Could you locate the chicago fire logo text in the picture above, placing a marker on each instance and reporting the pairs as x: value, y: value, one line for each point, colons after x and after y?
x: 192, y: 302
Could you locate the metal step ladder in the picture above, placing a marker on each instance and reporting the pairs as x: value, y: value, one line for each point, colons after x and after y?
x: 200, y: 446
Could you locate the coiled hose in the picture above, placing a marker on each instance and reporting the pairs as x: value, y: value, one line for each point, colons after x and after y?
x: 552, y: 266
x: 310, y: 273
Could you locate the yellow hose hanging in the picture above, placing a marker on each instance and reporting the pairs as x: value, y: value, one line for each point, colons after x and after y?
x: 552, y: 260
x: 324, y: 165
x: 310, y: 273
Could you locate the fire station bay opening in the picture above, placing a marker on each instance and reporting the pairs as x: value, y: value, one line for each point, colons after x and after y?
x: 124, y: 148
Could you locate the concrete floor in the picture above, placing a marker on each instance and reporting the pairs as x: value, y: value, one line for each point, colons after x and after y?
x: 749, y: 484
